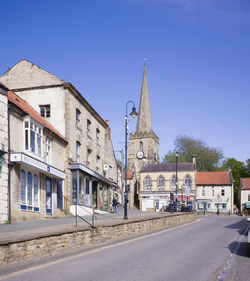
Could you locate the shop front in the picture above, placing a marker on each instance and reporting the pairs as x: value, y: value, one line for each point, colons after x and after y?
x: 89, y: 190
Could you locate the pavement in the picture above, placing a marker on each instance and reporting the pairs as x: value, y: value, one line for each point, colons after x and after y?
x: 51, y: 225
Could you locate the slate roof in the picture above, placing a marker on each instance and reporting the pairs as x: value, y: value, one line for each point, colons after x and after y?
x: 213, y: 178
x: 245, y: 183
x: 22, y: 104
x: 167, y: 167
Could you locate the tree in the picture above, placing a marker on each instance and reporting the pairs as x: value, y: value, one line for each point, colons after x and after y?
x: 208, y: 159
x: 239, y: 170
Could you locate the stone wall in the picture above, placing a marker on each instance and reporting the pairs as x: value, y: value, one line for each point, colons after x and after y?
x: 26, y: 249
x: 4, y: 158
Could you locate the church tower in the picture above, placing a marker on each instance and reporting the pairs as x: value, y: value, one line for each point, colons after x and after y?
x: 144, y: 143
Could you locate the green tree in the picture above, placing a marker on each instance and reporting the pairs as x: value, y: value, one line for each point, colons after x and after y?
x: 208, y: 159
x: 239, y: 170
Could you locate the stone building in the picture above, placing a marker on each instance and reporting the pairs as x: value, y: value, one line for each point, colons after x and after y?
x: 4, y: 154
x: 151, y: 182
x: 214, y: 191
x: 244, y: 195
x: 90, y: 164
x: 158, y: 181
x: 37, y: 163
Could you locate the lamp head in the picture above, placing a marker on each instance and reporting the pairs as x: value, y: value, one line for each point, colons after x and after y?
x: 176, y: 153
x: 133, y: 113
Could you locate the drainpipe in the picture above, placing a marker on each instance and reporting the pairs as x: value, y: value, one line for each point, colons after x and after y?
x: 9, y: 168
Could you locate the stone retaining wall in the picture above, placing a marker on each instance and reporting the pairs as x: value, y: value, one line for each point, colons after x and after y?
x: 53, y: 244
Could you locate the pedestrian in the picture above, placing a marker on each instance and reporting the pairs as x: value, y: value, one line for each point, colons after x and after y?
x: 114, y: 203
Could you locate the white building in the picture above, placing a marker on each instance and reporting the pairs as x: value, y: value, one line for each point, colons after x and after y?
x: 214, y: 191
x: 244, y: 195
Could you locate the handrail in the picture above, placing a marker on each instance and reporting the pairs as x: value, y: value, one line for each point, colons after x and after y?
x: 92, y: 215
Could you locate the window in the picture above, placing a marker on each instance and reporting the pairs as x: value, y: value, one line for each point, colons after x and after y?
x: 78, y: 112
x: 212, y: 191
x: 147, y: 184
x: 33, y: 137
x: 29, y: 191
x: 160, y: 183
x: 45, y: 110
x: 78, y: 144
x: 223, y: 192
x: 97, y: 162
x: 173, y: 183
x: 187, y: 185
x: 248, y: 197
x: 88, y: 124
x: 88, y: 156
x: 141, y: 146
x: 97, y: 133
x: 203, y: 191
x: 47, y: 154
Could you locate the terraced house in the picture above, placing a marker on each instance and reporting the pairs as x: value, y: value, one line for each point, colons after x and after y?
x: 37, y: 163
x: 90, y: 164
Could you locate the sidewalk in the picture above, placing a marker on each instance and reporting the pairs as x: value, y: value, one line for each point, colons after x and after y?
x: 51, y: 226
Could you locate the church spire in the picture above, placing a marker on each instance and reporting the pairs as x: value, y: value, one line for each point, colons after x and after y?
x: 144, y: 121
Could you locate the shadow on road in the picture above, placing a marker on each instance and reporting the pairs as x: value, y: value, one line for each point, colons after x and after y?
x: 242, y: 251
x: 241, y: 226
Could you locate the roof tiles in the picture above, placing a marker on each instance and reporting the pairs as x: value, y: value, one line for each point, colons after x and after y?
x: 213, y: 178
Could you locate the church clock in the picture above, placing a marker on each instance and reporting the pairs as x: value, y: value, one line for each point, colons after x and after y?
x: 140, y: 154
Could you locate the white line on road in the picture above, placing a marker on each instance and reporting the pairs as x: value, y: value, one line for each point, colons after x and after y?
x: 3, y: 277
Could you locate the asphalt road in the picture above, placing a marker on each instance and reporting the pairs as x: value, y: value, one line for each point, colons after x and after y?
x: 194, y: 252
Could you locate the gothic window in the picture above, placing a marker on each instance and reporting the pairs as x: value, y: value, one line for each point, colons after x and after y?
x: 160, y: 183
x: 173, y: 183
x: 147, y: 184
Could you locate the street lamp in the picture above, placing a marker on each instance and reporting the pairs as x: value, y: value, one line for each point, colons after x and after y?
x: 133, y: 114
x: 176, y: 179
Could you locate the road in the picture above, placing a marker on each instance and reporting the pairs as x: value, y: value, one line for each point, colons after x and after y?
x: 194, y: 252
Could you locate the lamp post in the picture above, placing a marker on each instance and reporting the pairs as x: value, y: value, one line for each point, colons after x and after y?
x: 176, y: 179
x: 133, y: 114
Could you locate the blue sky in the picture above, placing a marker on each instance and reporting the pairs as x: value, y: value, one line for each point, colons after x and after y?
x: 198, y: 65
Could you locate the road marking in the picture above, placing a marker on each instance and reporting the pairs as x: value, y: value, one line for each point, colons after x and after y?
x: 232, y: 257
x: 13, y: 274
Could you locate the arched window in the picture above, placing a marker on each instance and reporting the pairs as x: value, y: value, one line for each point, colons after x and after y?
x: 187, y: 184
x: 173, y: 183
x: 161, y: 183
x: 147, y: 184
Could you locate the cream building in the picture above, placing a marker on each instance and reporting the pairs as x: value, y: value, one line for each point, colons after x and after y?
x: 4, y: 194
x: 90, y: 164
x: 214, y: 191
x: 37, y: 163
x: 158, y: 182
x: 244, y: 195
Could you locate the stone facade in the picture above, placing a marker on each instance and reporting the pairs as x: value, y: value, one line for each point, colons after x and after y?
x: 3, y: 154
x: 35, y: 178
x: 88, y: 135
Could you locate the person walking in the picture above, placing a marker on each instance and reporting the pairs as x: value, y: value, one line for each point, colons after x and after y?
x: 114, y: 203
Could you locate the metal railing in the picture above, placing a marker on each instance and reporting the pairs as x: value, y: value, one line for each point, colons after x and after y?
x: 93, y: 217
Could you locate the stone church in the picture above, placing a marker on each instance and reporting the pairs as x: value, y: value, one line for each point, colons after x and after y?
x: 151, y: 182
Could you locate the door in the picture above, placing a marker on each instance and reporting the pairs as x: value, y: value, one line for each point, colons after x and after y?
x: 48, y: 196
x: 59, y: 194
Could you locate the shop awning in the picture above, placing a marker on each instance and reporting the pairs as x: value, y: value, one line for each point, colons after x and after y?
x: 247, y: 205
x: 35, y: 163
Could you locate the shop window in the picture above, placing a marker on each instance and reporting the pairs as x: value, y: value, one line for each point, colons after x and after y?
x: 45, y: 110
x: 160, y: 183
x: 29, y: 191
